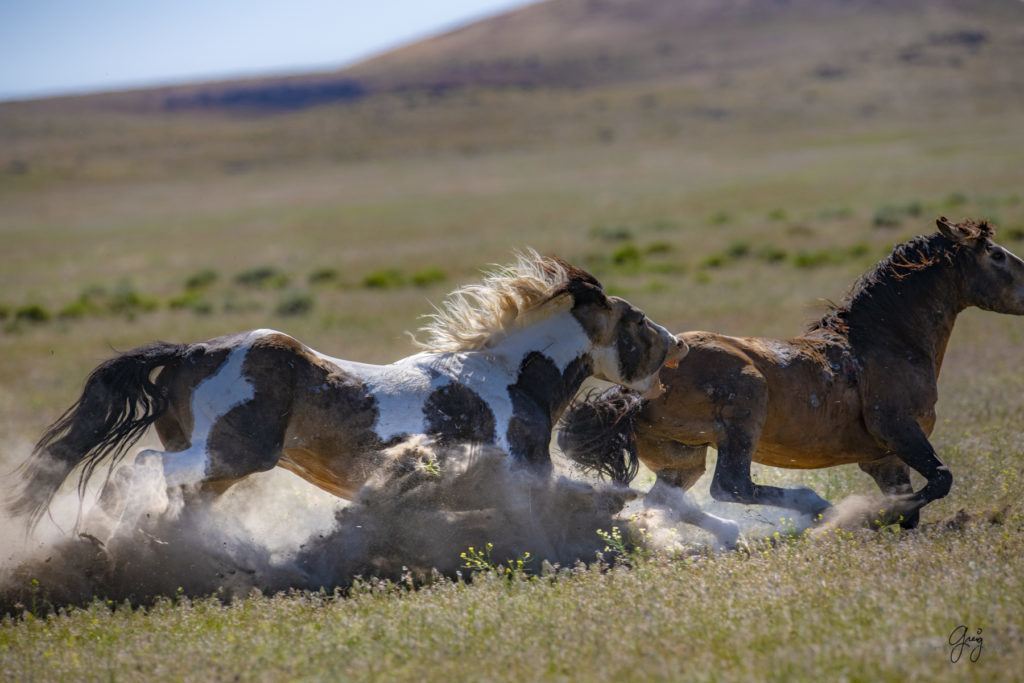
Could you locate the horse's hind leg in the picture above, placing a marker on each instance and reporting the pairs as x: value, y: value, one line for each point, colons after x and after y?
x: 201, y: 466
x: 893, y: 477
x: 673, y: 499
x: 732, y: 482
x: 678, y: 467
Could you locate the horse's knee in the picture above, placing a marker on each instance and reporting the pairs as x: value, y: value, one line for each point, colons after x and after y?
x: 682, y: 478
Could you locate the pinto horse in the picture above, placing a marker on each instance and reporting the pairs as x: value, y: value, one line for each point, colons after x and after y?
x: 858, y: 387
x: 501, y: 360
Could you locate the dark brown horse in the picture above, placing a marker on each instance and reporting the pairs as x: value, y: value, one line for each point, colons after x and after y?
x: 859, y: 387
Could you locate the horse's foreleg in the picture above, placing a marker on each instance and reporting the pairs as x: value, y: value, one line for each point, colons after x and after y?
x: 732, y: 482
x: 906, y: 439
x: 893, y: 478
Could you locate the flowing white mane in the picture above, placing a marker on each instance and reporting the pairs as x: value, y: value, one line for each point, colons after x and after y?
x: 473, y: 316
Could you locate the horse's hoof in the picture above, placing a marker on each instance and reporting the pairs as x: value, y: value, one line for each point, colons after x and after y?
x: 728, y: 534
x: 910, y: 521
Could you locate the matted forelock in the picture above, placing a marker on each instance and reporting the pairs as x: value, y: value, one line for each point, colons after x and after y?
x: 473, y: 316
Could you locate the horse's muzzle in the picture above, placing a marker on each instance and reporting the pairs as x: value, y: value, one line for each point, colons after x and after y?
x: 676, y: 352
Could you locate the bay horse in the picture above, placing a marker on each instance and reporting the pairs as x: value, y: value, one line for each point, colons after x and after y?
x: 858, y: 387
x: 500, y: 362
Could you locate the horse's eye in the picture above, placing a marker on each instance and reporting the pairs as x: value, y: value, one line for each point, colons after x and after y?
x: 998, y: 255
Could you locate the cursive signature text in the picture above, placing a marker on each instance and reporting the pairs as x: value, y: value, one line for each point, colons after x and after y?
x: 961, y: 639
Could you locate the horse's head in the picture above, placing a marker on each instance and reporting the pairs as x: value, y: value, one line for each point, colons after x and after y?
x: 993, y: 275
x: 628, y: 348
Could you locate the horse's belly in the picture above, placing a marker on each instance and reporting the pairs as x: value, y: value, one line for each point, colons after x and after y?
x: 819, y: 430
x: 811, y: 445
x: 775, y: 455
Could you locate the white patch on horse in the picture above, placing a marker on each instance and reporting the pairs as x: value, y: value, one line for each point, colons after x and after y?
x: 401, y: 389
x: 212, y: 399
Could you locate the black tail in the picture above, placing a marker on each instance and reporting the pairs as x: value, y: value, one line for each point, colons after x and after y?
x: 117, y: 405
x: 597, y: 434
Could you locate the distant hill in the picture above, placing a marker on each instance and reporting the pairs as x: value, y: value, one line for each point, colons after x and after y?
x: 583, y: 43
x: 562, y: 72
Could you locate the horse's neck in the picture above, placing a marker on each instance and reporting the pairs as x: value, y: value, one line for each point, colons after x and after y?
x: 559, y: 337
x: 546, y: 361
x: 930, y: 307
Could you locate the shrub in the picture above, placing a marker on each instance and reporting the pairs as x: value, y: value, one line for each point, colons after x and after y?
x: 812, y: 259
x: 192, y: 300
x: 769, y: 253
x: 738, y: 250
x: 79, y: 308
x: 428, y: 276
x: 126, y: 300
x: 626, y: 255
x: 857, y: 250
x: 385, y: 278
x: 720, y: 218
x: 661, y: 247
x: 202, y: 279
x: 714, y: 261
x: 777, y: 215
x: 32, y: 313
x: 294, y: 303
x: 265, y: 277
x: 322, y: 276
x: 89, y: 302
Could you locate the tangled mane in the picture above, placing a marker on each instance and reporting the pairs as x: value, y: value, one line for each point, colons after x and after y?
x: 916, y: 264
x: 473, y: 316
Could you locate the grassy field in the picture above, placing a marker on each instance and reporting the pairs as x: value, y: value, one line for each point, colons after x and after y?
x: 118, y: 229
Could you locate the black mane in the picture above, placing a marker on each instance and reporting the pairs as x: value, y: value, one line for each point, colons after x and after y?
x: 882, y: 298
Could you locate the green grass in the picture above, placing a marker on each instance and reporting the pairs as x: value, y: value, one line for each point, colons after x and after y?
x: 864, y: 606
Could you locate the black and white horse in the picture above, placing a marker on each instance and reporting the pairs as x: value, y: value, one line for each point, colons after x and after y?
x: 500, y: 362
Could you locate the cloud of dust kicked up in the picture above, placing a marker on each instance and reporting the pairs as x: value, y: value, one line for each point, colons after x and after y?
x: 272, y: 532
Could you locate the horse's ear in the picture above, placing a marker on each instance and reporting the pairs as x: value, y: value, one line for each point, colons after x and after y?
x: 951, y: 231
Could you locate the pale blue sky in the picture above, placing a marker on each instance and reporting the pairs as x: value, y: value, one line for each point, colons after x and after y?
x: 50, y: 47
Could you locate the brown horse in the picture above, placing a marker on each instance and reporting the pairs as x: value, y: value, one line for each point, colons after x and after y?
x: 859, y: 387
x: 502, y: 360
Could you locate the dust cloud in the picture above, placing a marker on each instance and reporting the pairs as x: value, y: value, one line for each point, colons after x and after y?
x: 273, y: 532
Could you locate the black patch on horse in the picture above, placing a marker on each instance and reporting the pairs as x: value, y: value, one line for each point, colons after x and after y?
x: 539, y: 396
x: 456, y: 413
x: 632, y: 348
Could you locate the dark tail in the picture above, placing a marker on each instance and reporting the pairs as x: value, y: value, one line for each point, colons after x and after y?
x: 117, y: 405
x: 597, y: 434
